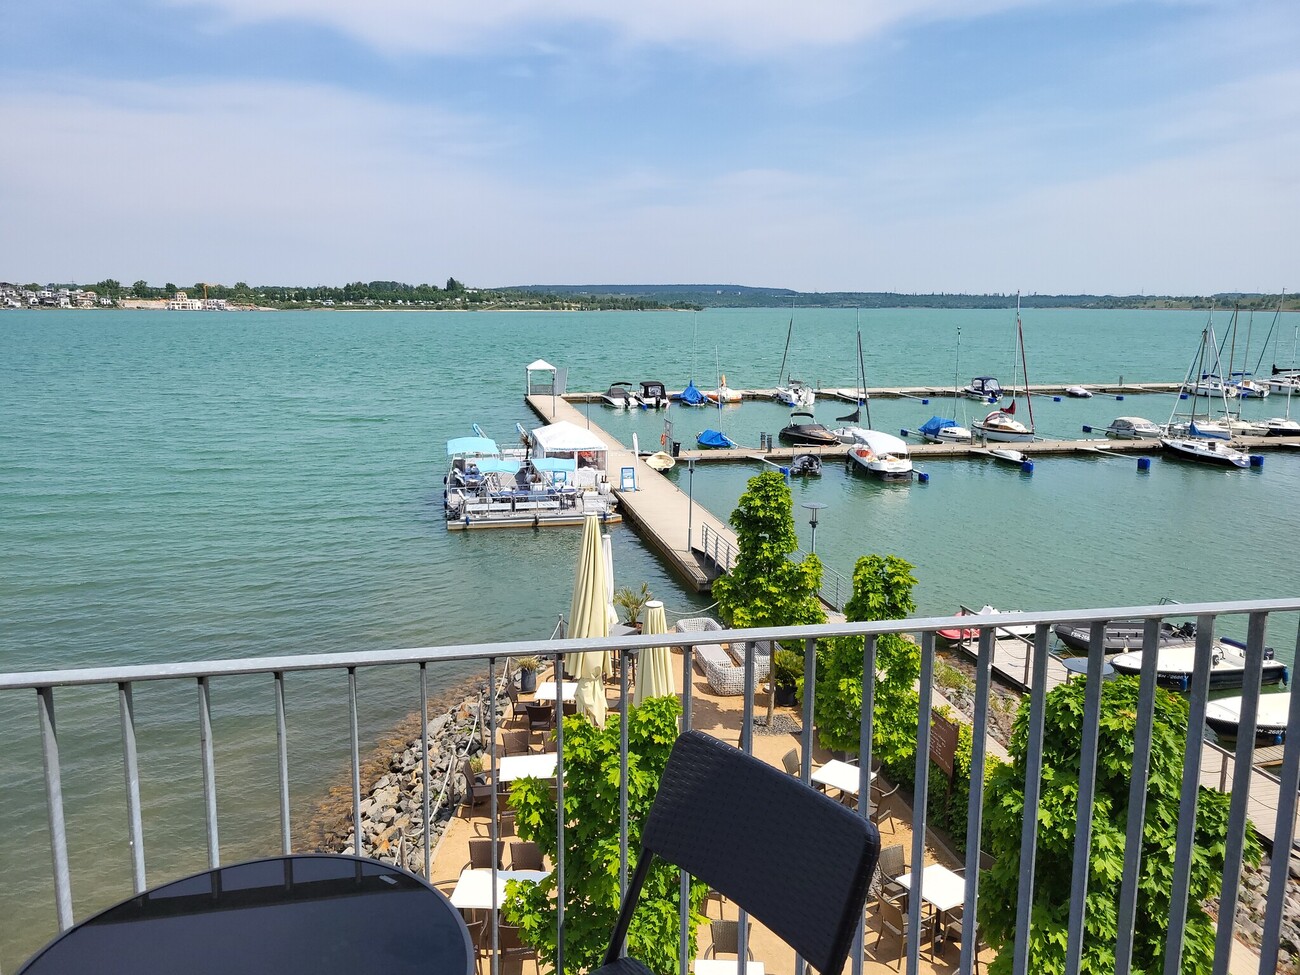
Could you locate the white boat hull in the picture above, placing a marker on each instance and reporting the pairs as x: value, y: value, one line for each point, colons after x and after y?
x: 1078, y: 392
x: 1002, y: 432
x: 887, y: 468
x: 1174, y: 666
x: 1008, y: 455
x: 1224, y: 716
x: 1205, y: 451
x: 797, y: 397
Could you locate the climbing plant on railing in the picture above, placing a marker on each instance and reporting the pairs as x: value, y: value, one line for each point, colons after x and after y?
x: 1057, y: 822
x: 591, y: 846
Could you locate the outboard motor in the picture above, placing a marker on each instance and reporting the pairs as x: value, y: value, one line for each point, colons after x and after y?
x: 1268, y: 653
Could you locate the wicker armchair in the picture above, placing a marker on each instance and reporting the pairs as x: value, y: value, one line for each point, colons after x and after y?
x: 810, y: 897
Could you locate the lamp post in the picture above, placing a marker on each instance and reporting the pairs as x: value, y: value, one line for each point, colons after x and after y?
x: 814, y: 510
x: 690, y: 500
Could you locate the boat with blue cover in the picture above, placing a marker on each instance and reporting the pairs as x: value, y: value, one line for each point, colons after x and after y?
x: 691, y: 396
x: 714, y: 438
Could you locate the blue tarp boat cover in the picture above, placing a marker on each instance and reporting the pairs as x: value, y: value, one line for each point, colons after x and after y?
x: 692, y: 396
x: 1195, y: 431
x: 714, y: 438
x: 937, y: 423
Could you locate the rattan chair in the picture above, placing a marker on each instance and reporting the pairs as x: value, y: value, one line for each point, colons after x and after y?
x: 790, y: 761
x: 480, y: 854
x: 477, y: 788
x: 525, y: 856
x: 540, y: 719
x: 725, y: 937
x: 892, y: 865
x: 810, y: 895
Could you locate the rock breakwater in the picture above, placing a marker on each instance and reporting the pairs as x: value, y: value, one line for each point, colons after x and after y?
x: 393, y: 827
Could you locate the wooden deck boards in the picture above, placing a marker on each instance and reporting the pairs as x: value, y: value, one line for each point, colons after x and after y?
x: 658, y: 508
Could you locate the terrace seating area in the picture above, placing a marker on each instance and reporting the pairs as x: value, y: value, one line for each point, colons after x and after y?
x: 723, y: 663
x: 720, y: 715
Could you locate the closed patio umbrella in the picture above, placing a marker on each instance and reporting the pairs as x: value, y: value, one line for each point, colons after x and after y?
x: 654, y: 672
x: 587, y: 618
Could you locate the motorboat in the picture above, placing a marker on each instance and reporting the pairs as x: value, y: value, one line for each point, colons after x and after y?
x: 984, y: 389
x: 1281, y: 426
x: 1227, y: 665
x: 795, y: 394
x: 1271, y: 717
x: 691, y: 396
x: 1249, y: 389
x: 713, y: 439
x: 660, y: 460
x: 654, y: 395
x: 620, y: 396
x: 881, y: 455
x: 1132, y: 428
x: 810, y: 433
x: 964, y: 634
x: 1206, y: 451
x: 809, y: 465
x: 1211, y: 387
x: 1003, y: 427
x: 1122, y: 635
x: 1204, y: 429
x: 940, y: 429
x: 1007, y: 454
x: 1078, y: 392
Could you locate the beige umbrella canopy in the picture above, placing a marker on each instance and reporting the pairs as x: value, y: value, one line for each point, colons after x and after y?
x: 587, y: 618
x: 654, y: 672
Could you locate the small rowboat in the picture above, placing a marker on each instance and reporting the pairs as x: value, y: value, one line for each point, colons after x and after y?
x: 954, y: 635
x: 1224, y: 716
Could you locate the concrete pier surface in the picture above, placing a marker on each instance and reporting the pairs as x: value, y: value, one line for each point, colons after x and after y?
x: 850, y: 395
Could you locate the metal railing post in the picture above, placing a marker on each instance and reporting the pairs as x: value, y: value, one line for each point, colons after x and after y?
x: 921, y: 799
x: 1283, y: 836
x: 975, y: 803
x: 358, y: 843
x: 1033, y: 791
x: 209, y: 773
x: 131, y: 769
x: 54, y: 807
x: 282, y: 761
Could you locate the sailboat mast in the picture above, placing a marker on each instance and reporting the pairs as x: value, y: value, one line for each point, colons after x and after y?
x: 788, y: 332
x: 862, y: 372
x: 1024, y: 368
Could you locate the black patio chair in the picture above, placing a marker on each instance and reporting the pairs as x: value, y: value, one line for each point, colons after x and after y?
x: 810, y: 895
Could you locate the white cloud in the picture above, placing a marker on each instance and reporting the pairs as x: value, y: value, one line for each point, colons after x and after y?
x: 746, y: 27
x: 313, y: 184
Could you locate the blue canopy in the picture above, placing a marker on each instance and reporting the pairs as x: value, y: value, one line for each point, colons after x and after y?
x: 496, y: 465
x: 937, y: 423
x: 553, y: 464
x: 714, y: 438
x: 472, y: 445
x: 692, y: 396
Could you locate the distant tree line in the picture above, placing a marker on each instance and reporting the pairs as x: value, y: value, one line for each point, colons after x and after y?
x: 455, y: 294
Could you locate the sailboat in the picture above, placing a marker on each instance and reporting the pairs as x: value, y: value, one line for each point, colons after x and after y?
x: 794, y: 393
x: 691, y: 395
x: 1202, y: 441
x: 716, y: 438
x: 1284, y: 426
x: 1001, y: 425
x: 879, y: 454
x: 942, y: 429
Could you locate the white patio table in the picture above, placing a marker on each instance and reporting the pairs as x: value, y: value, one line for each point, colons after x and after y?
x: 474, y: 888
x: 839, y: 775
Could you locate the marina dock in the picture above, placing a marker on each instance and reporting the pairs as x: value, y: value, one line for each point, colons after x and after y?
x: 850, y: 395
x: 658, y: 508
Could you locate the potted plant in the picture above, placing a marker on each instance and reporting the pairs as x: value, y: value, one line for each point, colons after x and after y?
x: 528, y: 673
x: 787, y: 668
x: 632, y: 602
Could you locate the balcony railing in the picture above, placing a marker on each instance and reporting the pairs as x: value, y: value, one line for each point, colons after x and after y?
x: 1256, y: 612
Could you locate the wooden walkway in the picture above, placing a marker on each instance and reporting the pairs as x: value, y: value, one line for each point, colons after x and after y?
x: 1013, y: 661
x: 658, y: 508
x: 1038, y: 448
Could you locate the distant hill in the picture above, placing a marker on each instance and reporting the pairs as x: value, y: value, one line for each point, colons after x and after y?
x: 744, y: 296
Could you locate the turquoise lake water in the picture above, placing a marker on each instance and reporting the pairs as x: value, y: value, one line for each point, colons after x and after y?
x: 203, y: 486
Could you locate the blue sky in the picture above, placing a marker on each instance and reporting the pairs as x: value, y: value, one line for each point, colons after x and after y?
x: 908, y: 145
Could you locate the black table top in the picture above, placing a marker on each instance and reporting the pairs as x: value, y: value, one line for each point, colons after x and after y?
x: 317, y: 914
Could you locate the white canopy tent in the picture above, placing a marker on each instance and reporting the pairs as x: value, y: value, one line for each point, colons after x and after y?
x: 565, y: 439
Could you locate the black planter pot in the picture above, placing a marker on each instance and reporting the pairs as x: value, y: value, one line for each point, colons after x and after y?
x: 785, y: 697
x: 528, y: 681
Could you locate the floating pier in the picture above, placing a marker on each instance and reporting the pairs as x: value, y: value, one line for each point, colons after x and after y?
x: 660, y: 510
x: 850, y: 395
